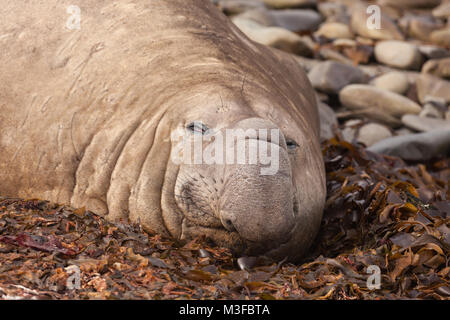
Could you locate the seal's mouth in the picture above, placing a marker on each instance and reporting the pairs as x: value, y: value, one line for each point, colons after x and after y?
x: 228, y: 237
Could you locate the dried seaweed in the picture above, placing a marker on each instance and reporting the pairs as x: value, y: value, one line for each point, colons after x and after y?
x: 380, y: 212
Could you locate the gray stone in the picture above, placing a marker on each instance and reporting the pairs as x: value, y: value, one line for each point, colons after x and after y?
x: 296, y: 20
x: 424, y: 124
x: 350, y: 130
x: 398, y: 54
x: 372, y: 133
x: 331, y: 76
x: 434, y: 52
x: 328, y: 121
x: 389, y: 30
x: 443, y: 11
x: 378, y: 101
x: 232, y: 7
x: 428, y: 85
x: 411, y: 3
x: 306, y: 63
x: 393, y: 81
x: 420, y: 27
x: 439, y: 103
x: 275, y: 37
x: 333, y: 12
x: 438, y: 67
x: 335, y: 30
x: 441, y: 37
x: 368, y: 134
x: 283, y: 4
x: 403, y: 132
x: 330, y: 54
x: 430, y: 111
x: 259, y: 15
x: 416, y: 147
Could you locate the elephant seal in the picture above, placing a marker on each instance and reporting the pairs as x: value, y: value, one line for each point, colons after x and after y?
x: 87, y: 117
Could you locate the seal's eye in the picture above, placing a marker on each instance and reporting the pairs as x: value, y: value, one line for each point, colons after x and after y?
x: 197, y: 127
x: 291, y: 144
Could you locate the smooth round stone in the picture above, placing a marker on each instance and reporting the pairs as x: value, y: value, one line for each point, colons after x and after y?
x: 389, y: 30
x: 371, y: 133
x: 415, y: 147
x: 335, y: 30
x: 411, y: 3
x: 392, y: 81
x: 331, y: 10
x: 328, y: 121
x: 275, y: 37
x: 421, y: 28
x: 260, y: 15
x: 296, y: 20
x: 441, y: 37
x: 403, y: 132
x: 283, y: 4
x: 398, y: 54
x: 424, y: 124
x: 367, y: 134
x: 431, y: 111
x: 443, y: 11
x: 231, y: 7
x: 438, y: 67
x: 345, y: 43
x: 429, y: 85
x: 332, y: 76
x: 350, y: 129
x: 434, y: 52
x: 366, y: 97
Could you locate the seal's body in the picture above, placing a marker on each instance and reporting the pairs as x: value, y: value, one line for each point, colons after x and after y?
x: 86, y: 117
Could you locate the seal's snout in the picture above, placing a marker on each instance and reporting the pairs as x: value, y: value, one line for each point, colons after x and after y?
x: 259, y: 206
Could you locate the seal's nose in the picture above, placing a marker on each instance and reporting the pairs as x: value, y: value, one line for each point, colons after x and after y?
x: 258, y: 203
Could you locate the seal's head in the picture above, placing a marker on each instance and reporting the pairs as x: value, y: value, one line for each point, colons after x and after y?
x: 243, y: 164
x: 249, y: 174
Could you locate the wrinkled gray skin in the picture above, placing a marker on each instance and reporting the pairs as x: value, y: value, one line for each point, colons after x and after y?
x: 86, y: 118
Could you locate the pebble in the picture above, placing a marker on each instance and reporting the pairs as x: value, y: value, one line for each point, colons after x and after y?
x: 411, y: 3
x: 231, y: 7
x: 283, y: 4
x: 368, y: 134
x: 357, y: 97
x: 259, y: 15
x: 431, y: 111
x: 434, y: 52
x: 392, y: 81
x: 441, y: 37
x: 438, y: 67
x: 328, y: 121
x: 398, y: 54
x: 422, y: 124
x: 429, y: 85
x: 297, y: 20
x: 389, y: 31
x: 334, y: 12
x: 335, y: 30
x: 332, y: 76
x: 421, y: 27
x: 415, y: 147
x: 276, y: 37
x: 442, y: 11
